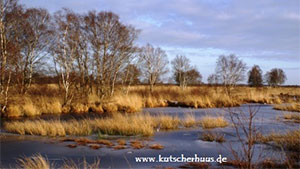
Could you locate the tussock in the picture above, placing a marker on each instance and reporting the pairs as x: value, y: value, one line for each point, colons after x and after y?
x: 209, y: 122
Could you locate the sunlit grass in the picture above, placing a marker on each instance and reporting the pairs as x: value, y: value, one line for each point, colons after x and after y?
x: 288, y: 107
x: 34, y: 162
x: 117, y: 124
x: 289, y: 140
x: 48, y: 99
x: 208, y: 122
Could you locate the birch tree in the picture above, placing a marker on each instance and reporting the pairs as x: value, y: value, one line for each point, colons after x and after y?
x: 64, y: 50
x: 112, y: 46
x: 10, y: 13
x: 37, y: 36
x: 230, y: 70
x: 153, y: 64
x: 181, y: 65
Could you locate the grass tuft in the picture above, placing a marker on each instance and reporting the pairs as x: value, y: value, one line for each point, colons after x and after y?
x: 209, y: 122
x: 212, y: 137
x: 189, y: 120
x: 288, y: 107
x: 34, y: 162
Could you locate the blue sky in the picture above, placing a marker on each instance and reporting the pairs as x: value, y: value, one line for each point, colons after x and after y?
x: 264, y: 32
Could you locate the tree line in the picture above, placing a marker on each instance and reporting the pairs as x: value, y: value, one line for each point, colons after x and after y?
x: 93, y: 52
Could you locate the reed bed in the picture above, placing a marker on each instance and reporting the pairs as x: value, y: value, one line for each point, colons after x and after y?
x: 117, y: 124
x: 288, y: 141
x: 48, y: 99
x: 295, y: 107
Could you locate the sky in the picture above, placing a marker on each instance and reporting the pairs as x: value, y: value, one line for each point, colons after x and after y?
x: 264, y: 32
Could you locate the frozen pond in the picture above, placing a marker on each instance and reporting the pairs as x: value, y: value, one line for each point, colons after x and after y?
x: 183, y: 141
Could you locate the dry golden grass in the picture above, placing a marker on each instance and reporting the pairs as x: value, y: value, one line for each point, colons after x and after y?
x: 166, y: 122
x: 156, y: 146
x: 105, y: 142
x: 121, y: 142
x: 79, y: 108
x: 291, y: 116
x: 69, y: 164
x: 288, y: 107
x: 117, y: 124
x: 212, y: 137
x: 189, y: 120
x: 34, y: 162
x: 94, y: 146
x: 47, y: 99
x: 127, y: 125
x: 131, y: 104
x: 136, y: 144
x: 119, y: 147
x: 14, y: 111
x: 39, y: 162
x: 49, y: 128
x: 289, y: 140
x: 209, y: 122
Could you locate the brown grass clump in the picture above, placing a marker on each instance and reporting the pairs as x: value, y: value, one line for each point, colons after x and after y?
x: 14, y: 111
x: 49, y: 128
x: 105, y: 142
x: 77, y: 127
x: 209, y: 122
x: 136, y: 144
x: 166, y: 122
x: 121, y: 142
x: 127, y: 125
x: 288, y: 107
x: 36, y: 127
x: 72, y: 145
x: 110, y: 107
x: 129, y: 104
x: 29, y: 109
x: 84, y: 141
x: 289, y: 141
x: 94, y: 146
x: 45, y: 99
x: 156, y: 146
x: 119, y: 147
x: 69, y: 164
x: 97, y: 108
x: 34, y: 162
x: 212, y: 137
x: 79, y: 108
x: 39, y: 162
x: 189, y: 120
x: 49, y: 105
x: 291, y: 116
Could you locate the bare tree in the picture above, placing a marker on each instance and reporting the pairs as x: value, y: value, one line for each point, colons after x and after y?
x: 230, y: 70
x: 153, y: 63
x: 112, y: 46
x: 10, y: 32
x: 275, y: 77
x: 37, y: 36
x: 181, y: 65
x: 129, y: 75
x: 212, y: 79
x: 64, y: 50
x: 246, y: 132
